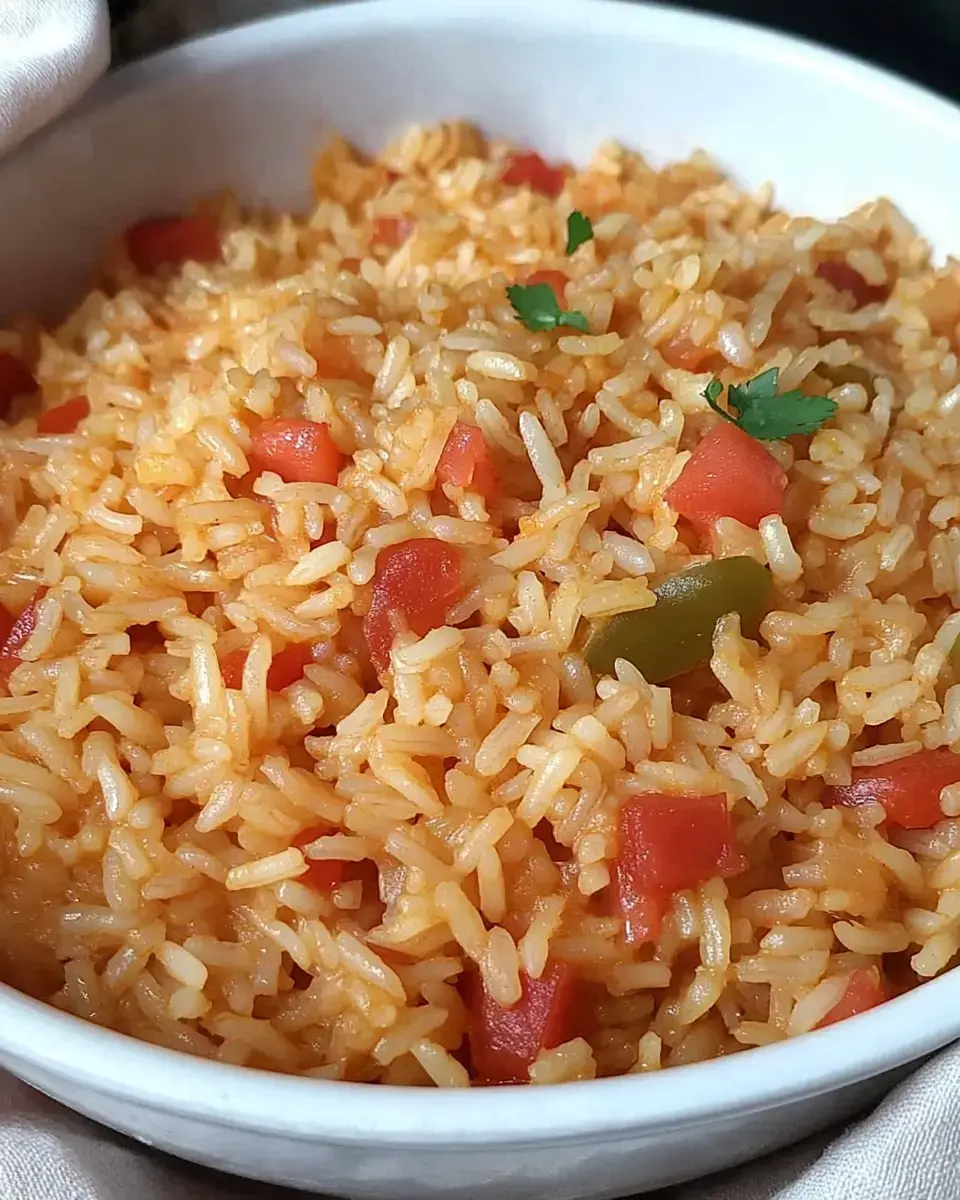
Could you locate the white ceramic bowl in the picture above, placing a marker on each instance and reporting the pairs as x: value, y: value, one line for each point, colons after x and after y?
x: 246, y: 108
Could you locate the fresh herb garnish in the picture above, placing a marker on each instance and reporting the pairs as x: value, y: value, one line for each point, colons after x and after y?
x: 764, y: 414
x: 537, y: 307
x: 579, y: 230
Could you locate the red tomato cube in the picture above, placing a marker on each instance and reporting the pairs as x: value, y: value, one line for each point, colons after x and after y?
x: 556, y: 280
x: 907, y: 788
x: 298, y: 451
x: 505, y: 1042
x: 64, y: 418
x: 729, y: 475
x: 414, y: 586
x: 171, y: 241
x: 864, y: 990
x: 668, y: 843
x: 679, y: 351
x: 17, y: 635
x: 466, y: 462
x: 526, y: 169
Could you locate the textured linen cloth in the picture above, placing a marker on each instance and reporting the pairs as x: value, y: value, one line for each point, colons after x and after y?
x: 50, y: 53
x: 908, y: 1149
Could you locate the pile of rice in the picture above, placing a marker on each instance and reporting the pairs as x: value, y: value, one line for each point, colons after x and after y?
x: 149, y: 880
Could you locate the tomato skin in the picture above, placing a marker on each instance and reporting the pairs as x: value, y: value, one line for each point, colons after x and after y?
x: 231, y: 668
x: 16, y: 379
x: 65, y: 417
x: 668, y: 843
x: 466, y: 462
x: 393, y: 231
x: 680, y: 352
x: 556, y: 280
x: 285, y: 668
x: 298, y: 451
x: 642, y: 912
x: 524, y: 168
x: 170, y: 241
x: 415, y: 583
x: 328, y: 535
x: 907, y: 788
x: 18, y: 631
x: 505, y: 1042
x: 729, y: 475
x: 322, y: 874
x: 864, y: 990
x: 7, y: 622
x: 288, y: 664
x: 844, y: 278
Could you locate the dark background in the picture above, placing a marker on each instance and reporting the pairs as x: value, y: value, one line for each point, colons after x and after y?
x: 918, y: 38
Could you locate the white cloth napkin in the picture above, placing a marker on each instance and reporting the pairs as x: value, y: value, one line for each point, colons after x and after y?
x: 908, y: 1149
x: 50, y: 53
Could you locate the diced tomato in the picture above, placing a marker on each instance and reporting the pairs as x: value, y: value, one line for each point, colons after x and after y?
x: 393, y: 231
x: 16, y: 380
x: 298, y: 451
x: 231, y: 667
x: 334, y: 359
x: 65, y: 417
x: 18, y: 633
x: 642, y: 912
x: 288, y: 664
x: 7, y: 622
x: 864, y: 990
x: 329, y: 535
x: 351, y: 265
x: 286, y: 667
x: 908, y: 788
x: 679, y: 351
x: 844, y: 278
x: 729, y: 475
x: 414, y: 585
x: 668, y: 843
x: 553, y: 279
x: 170, y: 241
x: 466, y: 462
x: 505, y: 1042
x: 322, y: 874
x: 526, y: 169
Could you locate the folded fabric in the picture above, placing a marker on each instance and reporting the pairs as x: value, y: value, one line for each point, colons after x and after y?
x: 50, y: 53
x: 908, y: 1149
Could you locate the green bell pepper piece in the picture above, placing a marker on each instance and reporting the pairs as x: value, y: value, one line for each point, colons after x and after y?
x: 676, y: 634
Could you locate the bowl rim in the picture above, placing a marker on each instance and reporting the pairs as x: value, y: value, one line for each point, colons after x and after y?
x: 46, y: 1043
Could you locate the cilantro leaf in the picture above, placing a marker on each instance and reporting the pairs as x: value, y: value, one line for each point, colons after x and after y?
x: 712, y: 393
x: 764, y: 414
x: 579, y: 230
x: 759, y: 390
x: 537, y: 307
